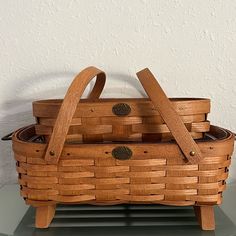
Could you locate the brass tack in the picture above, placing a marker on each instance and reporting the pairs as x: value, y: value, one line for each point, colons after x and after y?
x: 192, y: 153
x: 52, y: 153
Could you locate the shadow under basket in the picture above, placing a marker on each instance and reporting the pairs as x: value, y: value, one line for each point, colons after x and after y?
x: 94, y: 174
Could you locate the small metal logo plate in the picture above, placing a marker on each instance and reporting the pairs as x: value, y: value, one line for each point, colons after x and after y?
x: 122, y: 153
x: 121, y: 109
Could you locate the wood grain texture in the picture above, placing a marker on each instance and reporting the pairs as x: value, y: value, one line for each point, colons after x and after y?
x: 67, y: 111
x: 92, y: 130
x: 170, y: 116
x: 139, y: 107
x: 44, y: 216
x: 205, y: 216
x: 68, y: 156
x: 89, y: 173
x: 142, y: 124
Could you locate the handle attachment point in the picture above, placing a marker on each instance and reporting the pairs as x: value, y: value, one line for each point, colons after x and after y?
x: 52, y: 153
x: 192, y: 153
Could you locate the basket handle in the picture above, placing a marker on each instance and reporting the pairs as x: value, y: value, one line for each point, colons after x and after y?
x: 176, y: 126
x: 173, y: 121
x: 68, y: 108
x: 97, y: 88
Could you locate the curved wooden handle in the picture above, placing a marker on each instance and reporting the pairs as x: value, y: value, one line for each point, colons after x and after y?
x: 68, y: 108
x: 97, y: 88
x: 176, y: 126
x: 154, y: 91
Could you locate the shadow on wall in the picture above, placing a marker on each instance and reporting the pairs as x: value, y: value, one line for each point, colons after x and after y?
x: 17, y: 113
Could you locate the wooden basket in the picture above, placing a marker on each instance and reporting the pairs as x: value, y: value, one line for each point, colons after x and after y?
x: 182, y: 172
x: 136, y: 119
x: 96, y: 121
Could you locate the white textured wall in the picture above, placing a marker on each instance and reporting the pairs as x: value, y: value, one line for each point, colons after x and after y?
x: 189, y: 45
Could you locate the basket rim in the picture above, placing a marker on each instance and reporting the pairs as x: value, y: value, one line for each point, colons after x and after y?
x: 227, y: 135
x: 144, y: 99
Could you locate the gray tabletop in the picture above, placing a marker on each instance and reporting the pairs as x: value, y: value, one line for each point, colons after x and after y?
x: 18, y: 219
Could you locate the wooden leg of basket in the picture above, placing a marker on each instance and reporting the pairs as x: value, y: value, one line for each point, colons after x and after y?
x: 44, y: 216
x: 205, y: 216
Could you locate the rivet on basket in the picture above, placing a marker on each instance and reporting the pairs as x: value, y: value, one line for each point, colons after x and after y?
x: 192, y: 153
x: 52, y: 153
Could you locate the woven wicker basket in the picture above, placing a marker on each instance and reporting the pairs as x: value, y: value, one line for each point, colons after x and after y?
x: 96, y: 121
x: 106, y: 151
x: 136, y: 119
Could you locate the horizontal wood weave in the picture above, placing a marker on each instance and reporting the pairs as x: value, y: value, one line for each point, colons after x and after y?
x: 94, y: 120
x: 95, y: 176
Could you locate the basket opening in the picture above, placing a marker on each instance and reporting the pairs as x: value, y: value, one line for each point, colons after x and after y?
x: 28, y: 134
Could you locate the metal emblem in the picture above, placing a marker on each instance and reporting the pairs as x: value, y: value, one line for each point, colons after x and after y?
x: 122, y: 153
x: 121, y: 109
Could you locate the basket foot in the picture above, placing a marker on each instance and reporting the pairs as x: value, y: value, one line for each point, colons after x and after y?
x: 44, y: 216
x: 205, y: 216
